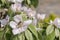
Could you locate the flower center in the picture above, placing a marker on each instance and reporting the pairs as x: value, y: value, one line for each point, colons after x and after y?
x: 20, y: 24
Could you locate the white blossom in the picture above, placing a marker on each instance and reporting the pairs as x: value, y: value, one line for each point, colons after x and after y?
x: 57, y: 22
x: 24, y: 8
x: 4, y: 21
x: 35, y: 21
x: 41, y: 16
x: 18, y: 29
x: 18, y: 18
x: 31, y: 13
x: 13, y: 24
x: 26, y: 23
x: 16, y: 7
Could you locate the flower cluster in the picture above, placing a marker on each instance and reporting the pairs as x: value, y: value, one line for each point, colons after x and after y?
x: 4, y: 18
x: 18, y: 25
x: 24, y: 21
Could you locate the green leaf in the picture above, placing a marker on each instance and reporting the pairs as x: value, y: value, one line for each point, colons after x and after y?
x: 10, y: 13
x: 8, y: 36
x: 56, y: 32
x: 1, y: 29
x: 52, y: 16
x: 50, y: 36
x: 34, y: 3
x: 59, y: 35
x: 40, y: 24
x: 24, y: 16
x: 28, y: 35
x: 3, y: 1
x: 40, y: 35
x: 33, y: 30
x: 8, y: 33
x: 1, y: 34
x: 15, y: 38
x: 49, y: 29
x: 21, y: 36
x: 28, y: 1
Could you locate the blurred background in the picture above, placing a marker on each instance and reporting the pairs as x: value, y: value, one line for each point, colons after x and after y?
x: 49, y: 6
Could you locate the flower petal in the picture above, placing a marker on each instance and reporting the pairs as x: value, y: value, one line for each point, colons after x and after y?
x: 13, y: 24
x: 4, y: 22
x: 41, y: 16
x: 26, y: 23
x: 31, y: 14
x: 7, y: 18
x: 16, y: 7
x: 24, y: 28
x: 16, y: 31
x: 25, y: 8
x: 35, y: 22
x: 2, y: 25
x: 57, y: 22
x: 18, y: 18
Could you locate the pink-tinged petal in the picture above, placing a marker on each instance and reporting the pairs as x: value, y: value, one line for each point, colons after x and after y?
x: 16, y: 31
x: 17, y: 18
x: 57, y: 22
x: 27, y: 22
x: 41, y: 16
x: 13, y: 24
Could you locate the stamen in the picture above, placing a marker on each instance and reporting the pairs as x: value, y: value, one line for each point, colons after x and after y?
x: 20, y: 24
